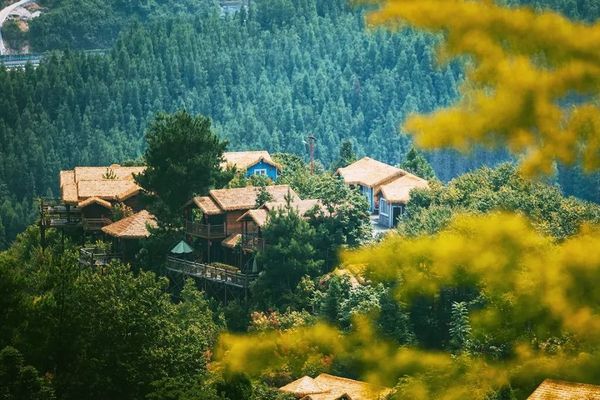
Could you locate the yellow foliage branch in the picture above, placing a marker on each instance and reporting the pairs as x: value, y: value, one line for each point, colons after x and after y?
x: 524, y: 64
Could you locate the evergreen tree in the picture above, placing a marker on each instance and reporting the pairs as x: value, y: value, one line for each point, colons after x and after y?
x: 183, y: 159
x: 289, y: 255
x: 347, y: 155
x: 416, y: 163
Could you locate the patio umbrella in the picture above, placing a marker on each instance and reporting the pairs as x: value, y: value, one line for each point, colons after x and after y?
x: 182, y: 248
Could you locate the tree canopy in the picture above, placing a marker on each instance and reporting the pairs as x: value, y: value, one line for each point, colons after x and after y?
x: 183, y: 159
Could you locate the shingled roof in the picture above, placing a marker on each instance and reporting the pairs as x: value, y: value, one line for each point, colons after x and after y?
x: 561, y: 390
x: 245, y: 159
x: 398, y: 190
x: 245, y: 198
x: 369, y: 172
x: 260, y: 216
x: 132, y: 227
x: 330, y: 387
x: 83, y: 183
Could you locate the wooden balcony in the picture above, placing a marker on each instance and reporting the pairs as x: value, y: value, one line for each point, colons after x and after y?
x: 206, y: 231
x: 253, y: 242
x: 55, y: 214
x: 231, y: 277
x: 95, y: 224
x: 94, y: 257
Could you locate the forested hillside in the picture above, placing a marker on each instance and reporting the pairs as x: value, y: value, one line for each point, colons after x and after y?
x: 266, y: 79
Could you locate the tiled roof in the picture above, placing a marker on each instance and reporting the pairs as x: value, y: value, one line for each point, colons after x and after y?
x: 232, y: 240
x: 82, y: 183
x: 302, y: 206
x: 207, y: 205
x: 398, y: 190
x: 368, y: 172
x: 107, y: 189
x: 561, y: 390
x: 97, y: 173
x: 245, y: 159
x: 94, y: 200
x: 303, y: 387
x: 245, y: 198
x: 132, y: 227
x: 261, y: 215
x: 330, y: 387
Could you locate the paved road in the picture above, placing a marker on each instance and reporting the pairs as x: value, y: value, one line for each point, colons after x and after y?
x: 4, y: 13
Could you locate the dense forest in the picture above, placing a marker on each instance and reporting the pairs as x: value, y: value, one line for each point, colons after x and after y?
x: 266, y: 78
x: 487, y: 287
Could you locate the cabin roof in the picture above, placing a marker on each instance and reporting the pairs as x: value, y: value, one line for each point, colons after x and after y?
x: 82, y: 183
x: 261, y: 215
x: 552, y: 389
x: 303, y: 387
x: 132, y: 227
x: 369, y: 172
x: 331, y: 387
x: 207, y: 205
x: 245, y: 159
x: 94, y: 200
x: 398, y: 190
x: 232, y: 240
x: 245, y: 198
x: 302, y: 206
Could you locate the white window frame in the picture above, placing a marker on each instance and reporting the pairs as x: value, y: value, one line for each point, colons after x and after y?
x: 260, y: 171
x: 383, y: 206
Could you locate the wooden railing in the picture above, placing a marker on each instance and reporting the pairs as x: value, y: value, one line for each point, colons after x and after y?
x: 54, y: 213
x: 210, y: 272
x: 253, y: 242
x: 95, y: 224
x: 94, y: 257
x: 206, y: 231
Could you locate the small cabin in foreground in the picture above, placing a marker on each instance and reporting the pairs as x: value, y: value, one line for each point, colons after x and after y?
x: 331, y: 387
x: 552, y: 389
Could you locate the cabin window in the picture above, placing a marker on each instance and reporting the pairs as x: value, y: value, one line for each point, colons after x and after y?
x: 383, y: 207
x: 260, y: 171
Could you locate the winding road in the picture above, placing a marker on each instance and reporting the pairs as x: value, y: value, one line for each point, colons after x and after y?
x: 4, y: 13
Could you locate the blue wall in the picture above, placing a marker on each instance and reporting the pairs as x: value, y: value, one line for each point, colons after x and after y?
x: 368, y: 193
x: 271, y: 170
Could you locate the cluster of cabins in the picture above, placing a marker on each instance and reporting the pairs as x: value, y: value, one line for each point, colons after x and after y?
x: 225, y: 226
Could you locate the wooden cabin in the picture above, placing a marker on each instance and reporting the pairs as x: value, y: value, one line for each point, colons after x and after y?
x: 253, y: 163
x: 369, y: 175
x: 331, y: 387
x: 394, y: 196
x: 215, y: 218
x: 253, y: 221
x: 127, y: 233
x: 88, y: 195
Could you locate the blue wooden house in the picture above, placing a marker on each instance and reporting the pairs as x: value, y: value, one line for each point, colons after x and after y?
x: 394, y: 196
x: 253, y: 163
x: 368, y: 175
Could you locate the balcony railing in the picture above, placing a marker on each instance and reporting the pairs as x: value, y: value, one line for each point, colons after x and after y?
x: 252, y: 242
x: 53, y: 213
x: 206, y: 231
x: 95, y: 224
x: 94, y: 257
x: 232, y: 277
